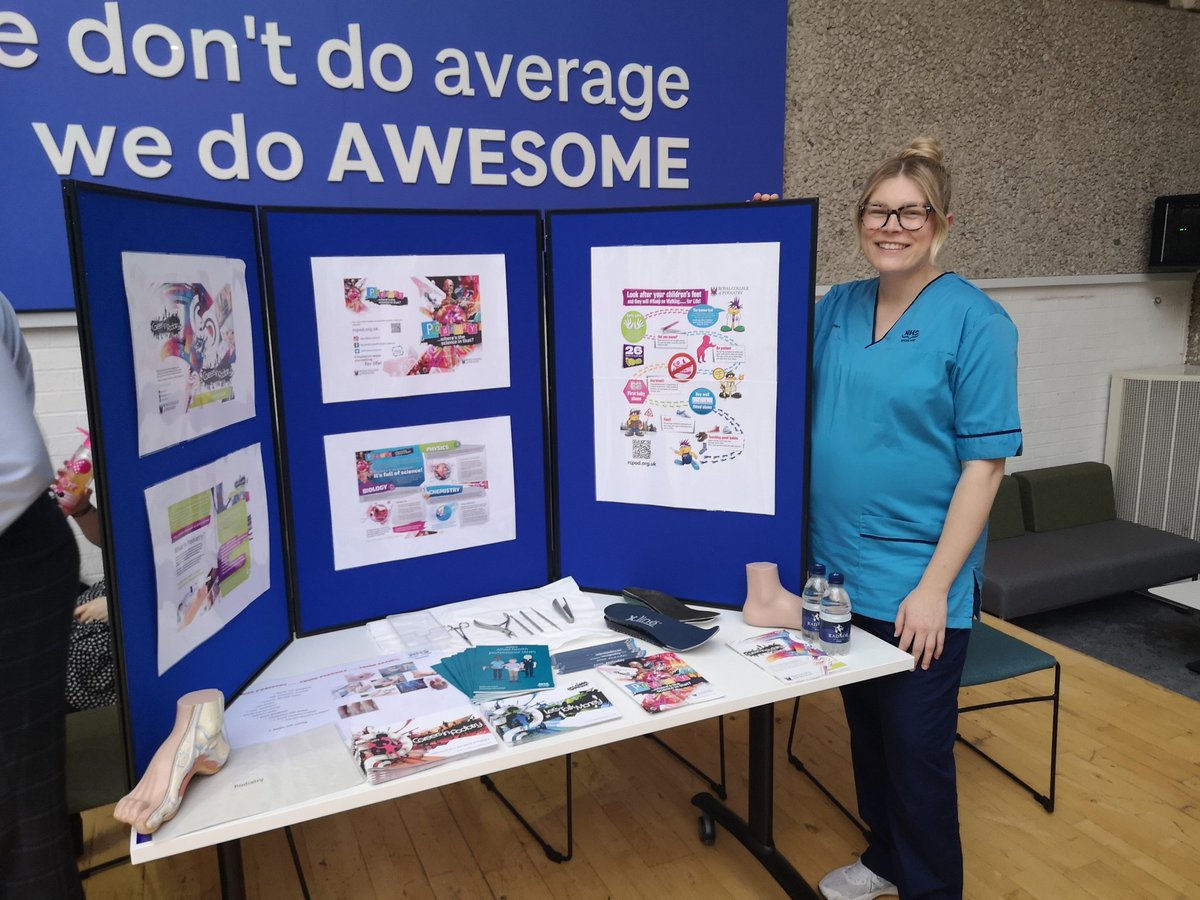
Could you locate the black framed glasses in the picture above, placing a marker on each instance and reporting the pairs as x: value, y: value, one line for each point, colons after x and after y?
x: 911, y: 217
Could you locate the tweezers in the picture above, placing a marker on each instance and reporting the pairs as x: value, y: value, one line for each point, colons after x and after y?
x: 563, y: 608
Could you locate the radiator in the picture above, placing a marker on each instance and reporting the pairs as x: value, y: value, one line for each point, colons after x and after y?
x: 1153, y: 447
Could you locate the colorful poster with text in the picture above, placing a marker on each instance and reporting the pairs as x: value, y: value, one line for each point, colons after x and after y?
x: 395, y: 326
x: 684, y: 364
x: 400, y: 493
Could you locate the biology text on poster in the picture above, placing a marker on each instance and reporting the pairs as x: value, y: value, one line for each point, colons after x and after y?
x: 395, y: 326
x: 399, y: 493
x: 193, y: 360
x: 211, y: 544
x: 684, y: 364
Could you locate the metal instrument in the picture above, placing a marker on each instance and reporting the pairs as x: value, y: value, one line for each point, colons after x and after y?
x: 461, y: 630
x: 502, y: 627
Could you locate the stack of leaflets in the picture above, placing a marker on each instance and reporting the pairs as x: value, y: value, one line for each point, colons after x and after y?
x: 660, y: 681
x: 530, y: 717
x: 489, y: 671
x: 394, y: 713
x: 785, y: 655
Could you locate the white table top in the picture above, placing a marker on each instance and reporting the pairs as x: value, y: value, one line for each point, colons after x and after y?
x: 1185, y: 593
x: 743, y: 683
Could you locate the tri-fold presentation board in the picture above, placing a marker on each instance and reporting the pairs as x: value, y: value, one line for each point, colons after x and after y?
x: 305, y: 419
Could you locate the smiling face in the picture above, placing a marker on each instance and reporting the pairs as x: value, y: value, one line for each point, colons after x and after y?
x: 891, y: 249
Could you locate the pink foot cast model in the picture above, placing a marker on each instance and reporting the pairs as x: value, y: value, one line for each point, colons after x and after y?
x: 768, y: 603
x: 197, y: 744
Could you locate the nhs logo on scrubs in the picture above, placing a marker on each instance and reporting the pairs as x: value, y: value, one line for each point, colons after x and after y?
x: 910, y: 334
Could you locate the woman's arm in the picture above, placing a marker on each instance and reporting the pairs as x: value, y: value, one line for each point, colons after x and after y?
x: 921, y: 619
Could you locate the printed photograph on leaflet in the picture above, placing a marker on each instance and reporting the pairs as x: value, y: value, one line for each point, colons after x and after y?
x: 660, y: 681
x: 685, y: 368
x: 211, y: 538
x: 530, y: 717
x: 396, y: 716
x: 400, y: 493
x: 787, y: 656
x: 397, y: 326
x: 193, y: 360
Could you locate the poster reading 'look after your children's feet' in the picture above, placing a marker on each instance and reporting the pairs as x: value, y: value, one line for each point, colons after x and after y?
x: 211, y: 541
x: 685, y: 375
x: 400, y: 493
x: 399, y: 326
x: 193, y: 360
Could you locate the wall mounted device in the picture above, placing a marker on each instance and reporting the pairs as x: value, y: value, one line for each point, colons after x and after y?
x: 1175, y: 234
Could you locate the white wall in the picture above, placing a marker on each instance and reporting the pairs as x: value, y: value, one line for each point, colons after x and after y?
x: 1075, y: 331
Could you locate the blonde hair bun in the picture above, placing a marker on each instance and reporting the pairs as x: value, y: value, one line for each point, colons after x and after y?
x: 923, y: 148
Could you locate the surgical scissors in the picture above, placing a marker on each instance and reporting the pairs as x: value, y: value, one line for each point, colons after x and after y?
x: 461, y: 630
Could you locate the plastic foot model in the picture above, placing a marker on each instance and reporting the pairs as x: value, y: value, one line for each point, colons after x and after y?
x: 196, y: 745
x: 768, y: 603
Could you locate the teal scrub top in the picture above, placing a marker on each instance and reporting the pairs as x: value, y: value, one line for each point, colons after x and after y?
x: 893, y: 421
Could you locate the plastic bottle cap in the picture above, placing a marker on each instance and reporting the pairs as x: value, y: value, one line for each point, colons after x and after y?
x: 837, y: 578
x: 817, y: 569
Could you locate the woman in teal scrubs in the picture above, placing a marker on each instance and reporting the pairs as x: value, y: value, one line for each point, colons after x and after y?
x: 914, y: 412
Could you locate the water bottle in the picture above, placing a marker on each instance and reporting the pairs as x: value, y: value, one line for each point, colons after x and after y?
x: 835, y: 617
x: 76, y: 477
x: 814, y: 591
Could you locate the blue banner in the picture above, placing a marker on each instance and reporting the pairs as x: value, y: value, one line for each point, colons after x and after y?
x: 529, y: 104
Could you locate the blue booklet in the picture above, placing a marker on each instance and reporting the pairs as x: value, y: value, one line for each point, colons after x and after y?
x: 498, y: 670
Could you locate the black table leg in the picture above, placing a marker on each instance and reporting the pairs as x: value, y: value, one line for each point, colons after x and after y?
x: 233, y: 878
x: 756, y: 833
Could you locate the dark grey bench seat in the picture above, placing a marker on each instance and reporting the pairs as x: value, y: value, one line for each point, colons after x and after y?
x: 1055, y: 541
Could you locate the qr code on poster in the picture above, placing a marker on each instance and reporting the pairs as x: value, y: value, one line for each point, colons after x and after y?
x: 396, y: 327
x: 641, y: 449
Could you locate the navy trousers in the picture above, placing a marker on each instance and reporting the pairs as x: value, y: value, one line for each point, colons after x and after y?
x: 902, y: 731
x: 39, y: 579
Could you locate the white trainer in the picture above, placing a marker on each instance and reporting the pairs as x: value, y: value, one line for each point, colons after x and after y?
x: 854, y: 882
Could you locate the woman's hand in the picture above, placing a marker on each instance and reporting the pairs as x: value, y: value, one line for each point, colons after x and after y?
x: 93, y: 611
x: 759, y: 197
x: 921, y: 624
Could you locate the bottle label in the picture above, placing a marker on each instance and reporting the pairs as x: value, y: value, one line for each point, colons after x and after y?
x: 811, y: 621
x: 835, y: 630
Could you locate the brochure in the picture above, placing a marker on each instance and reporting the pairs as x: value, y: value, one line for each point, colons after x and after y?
x: 542, y: 714
x: 785, y: 655
x: 395, y: 715
x: 567, y: 661
x: 498, y: 670
x: 660, y: 681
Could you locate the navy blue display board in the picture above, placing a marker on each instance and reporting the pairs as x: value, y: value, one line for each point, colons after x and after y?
x: 344, y: 103
x: 103, y: 223
x: 694, y: 554
x: 328, y: 598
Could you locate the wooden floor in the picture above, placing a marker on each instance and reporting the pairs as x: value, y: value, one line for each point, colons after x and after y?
x: 1126, y: 825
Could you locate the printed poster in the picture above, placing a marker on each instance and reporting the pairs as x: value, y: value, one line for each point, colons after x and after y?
x: 396, y: 326
x: 400, y: 493
x: 193, y: 358
x: 685, y: 369
x: 211, y: 541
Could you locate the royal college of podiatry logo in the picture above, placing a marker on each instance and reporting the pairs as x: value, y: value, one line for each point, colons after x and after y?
x: 910, y: 334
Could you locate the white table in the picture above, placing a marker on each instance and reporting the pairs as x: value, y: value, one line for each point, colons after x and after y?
x: 745, y: 686
x: 1181, y: 593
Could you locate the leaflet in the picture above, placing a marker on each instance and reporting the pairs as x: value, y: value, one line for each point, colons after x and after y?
x: 400, y: 493
x: 211, y: 540
x: 193, y: 357
x: 398, y: 326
